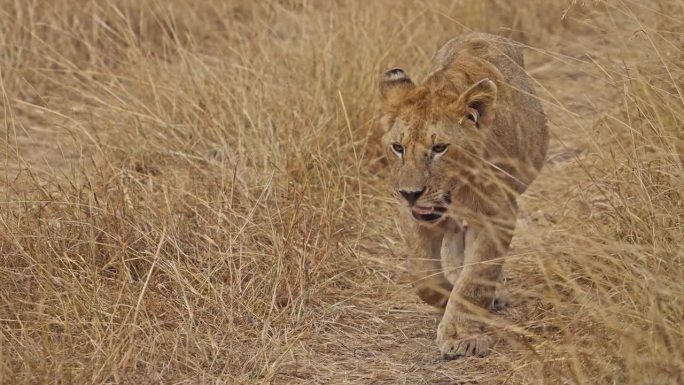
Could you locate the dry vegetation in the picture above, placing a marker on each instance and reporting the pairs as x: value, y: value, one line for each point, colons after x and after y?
x: 192, y: 192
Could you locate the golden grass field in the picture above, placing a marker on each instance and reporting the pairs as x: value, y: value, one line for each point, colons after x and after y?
x: 193, y: 192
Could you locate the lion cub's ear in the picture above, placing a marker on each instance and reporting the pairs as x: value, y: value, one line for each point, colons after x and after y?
x: 394, y: 85
x: 477, y: 103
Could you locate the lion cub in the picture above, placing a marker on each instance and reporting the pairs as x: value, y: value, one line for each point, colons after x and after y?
x: 464, y: 145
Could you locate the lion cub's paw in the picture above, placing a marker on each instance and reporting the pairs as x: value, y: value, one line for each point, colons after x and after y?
x: 476, y: 345
x: 500, y: 303
x: 469, y: 341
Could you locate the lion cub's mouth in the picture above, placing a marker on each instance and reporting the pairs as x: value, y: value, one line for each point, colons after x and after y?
x: 428, y: 214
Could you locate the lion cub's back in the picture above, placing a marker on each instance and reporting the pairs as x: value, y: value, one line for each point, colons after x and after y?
x: 530, y: 141
x: 498, y: 50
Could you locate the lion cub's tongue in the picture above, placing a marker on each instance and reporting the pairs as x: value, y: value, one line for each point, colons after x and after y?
x: 423, y: 210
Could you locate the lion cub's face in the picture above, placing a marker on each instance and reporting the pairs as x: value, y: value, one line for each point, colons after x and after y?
x: 434, y: 138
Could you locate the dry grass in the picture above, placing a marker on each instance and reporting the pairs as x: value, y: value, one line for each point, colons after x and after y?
x: 192, y: 192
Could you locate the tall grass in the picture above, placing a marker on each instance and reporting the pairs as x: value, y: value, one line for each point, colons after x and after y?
x: 193, y: 192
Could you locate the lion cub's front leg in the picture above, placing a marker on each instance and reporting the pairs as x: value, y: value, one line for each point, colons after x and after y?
x: 460, y: 333
x: 430, y: 283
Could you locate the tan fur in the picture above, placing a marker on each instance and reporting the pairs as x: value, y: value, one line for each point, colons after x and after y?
x: 482, y: 105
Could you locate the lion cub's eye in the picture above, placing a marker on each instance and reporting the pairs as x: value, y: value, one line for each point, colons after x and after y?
x: 439, y: 148
x: 398, y: 148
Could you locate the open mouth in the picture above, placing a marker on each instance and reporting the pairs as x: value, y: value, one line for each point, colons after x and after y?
x: 428, y: 214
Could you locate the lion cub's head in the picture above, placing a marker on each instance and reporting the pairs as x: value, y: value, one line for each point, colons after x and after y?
x: 435, y: 136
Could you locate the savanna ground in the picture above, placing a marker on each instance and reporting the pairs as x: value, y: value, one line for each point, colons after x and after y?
x: 194, y: 192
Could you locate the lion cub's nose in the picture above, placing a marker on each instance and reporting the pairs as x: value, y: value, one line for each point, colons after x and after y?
x: 411, y: 195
